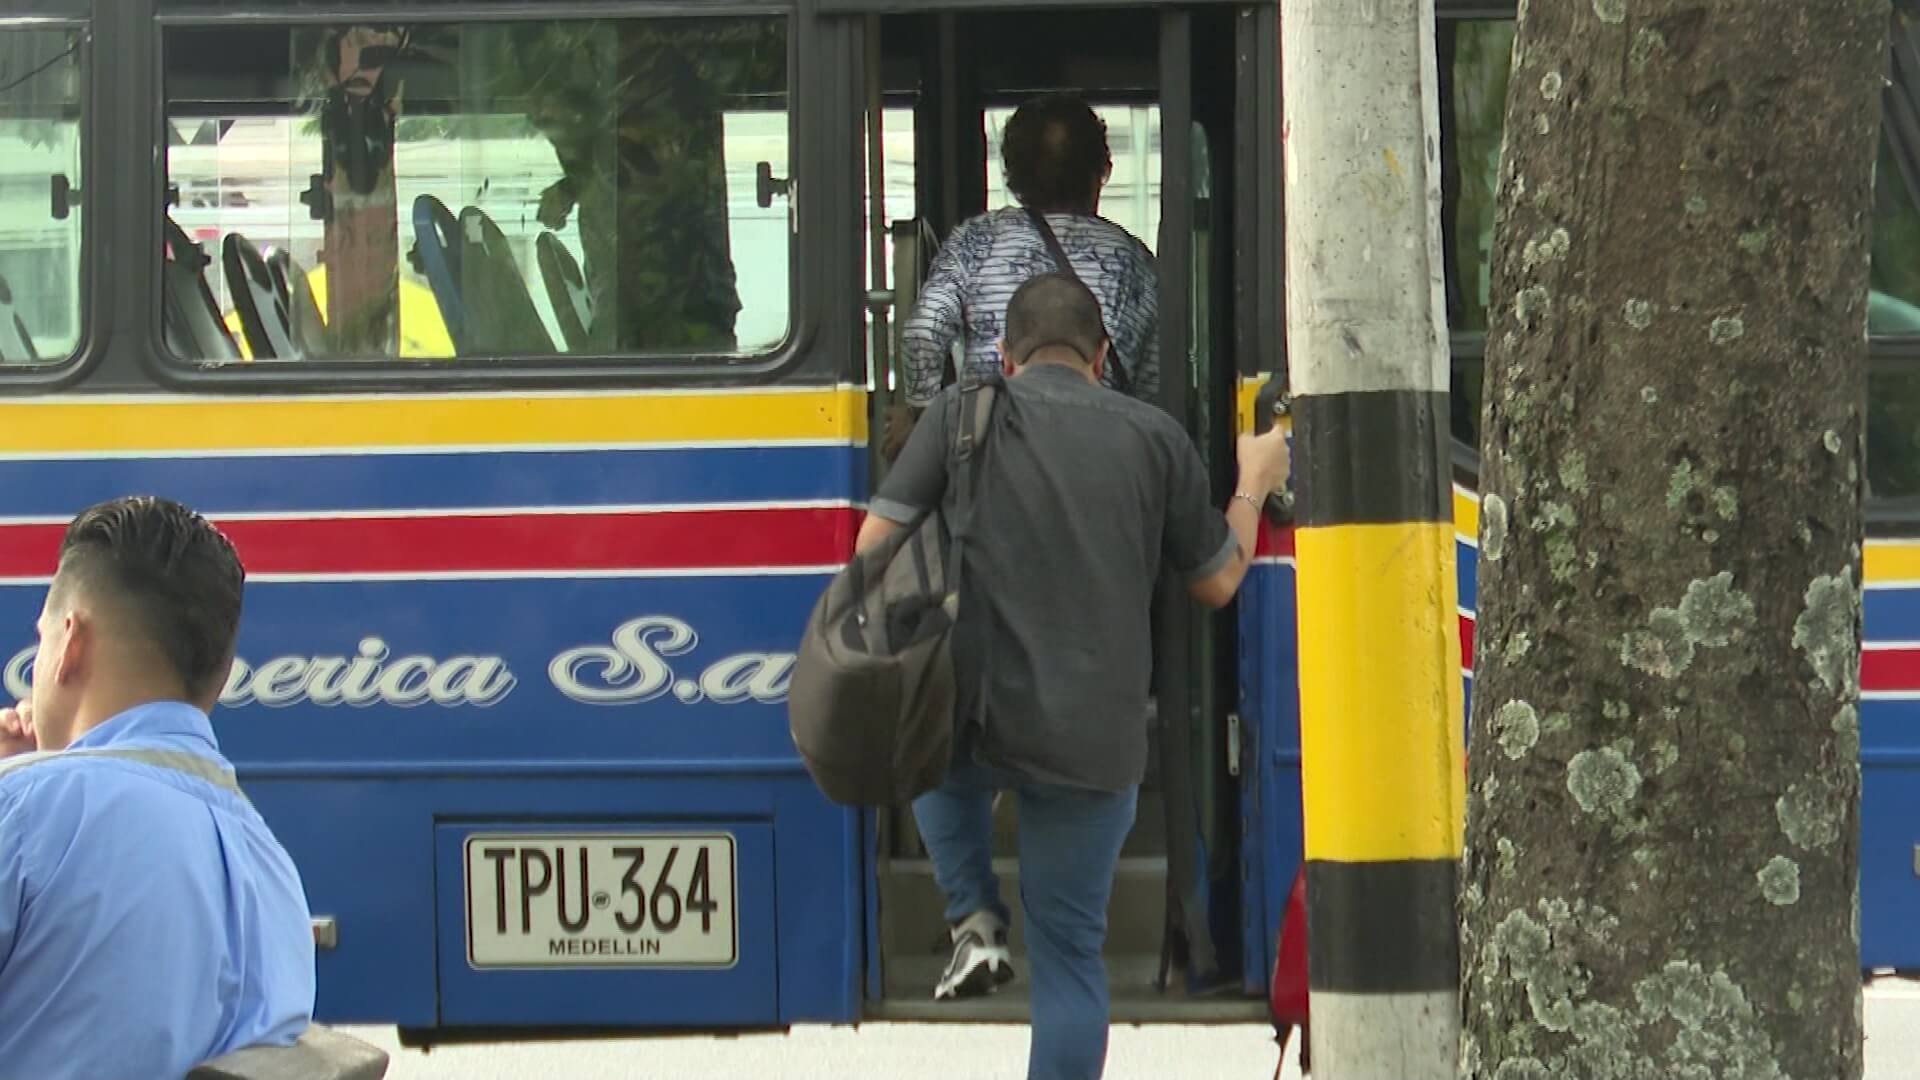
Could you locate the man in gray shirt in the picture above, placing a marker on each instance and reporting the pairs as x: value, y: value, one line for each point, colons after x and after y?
x: 1082, y: 496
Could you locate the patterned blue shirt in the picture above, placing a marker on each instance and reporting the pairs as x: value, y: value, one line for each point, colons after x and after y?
x: 989, y: 257
x: 149, y: 920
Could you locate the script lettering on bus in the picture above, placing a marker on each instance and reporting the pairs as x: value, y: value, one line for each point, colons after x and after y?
x: 372, y: 676
x: 635, y: 667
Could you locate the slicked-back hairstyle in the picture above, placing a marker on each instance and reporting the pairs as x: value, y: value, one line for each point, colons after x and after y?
x: 1053, y: 309
x: 169, y: 572
x: 1054, y: 150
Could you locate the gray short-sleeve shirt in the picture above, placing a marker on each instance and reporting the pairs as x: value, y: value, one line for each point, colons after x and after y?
x: 1083, y: 495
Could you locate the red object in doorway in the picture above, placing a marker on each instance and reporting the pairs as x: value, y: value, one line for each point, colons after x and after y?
x: 1287, y: 990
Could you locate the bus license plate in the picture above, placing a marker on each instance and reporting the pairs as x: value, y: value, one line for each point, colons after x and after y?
x: 600, y: 900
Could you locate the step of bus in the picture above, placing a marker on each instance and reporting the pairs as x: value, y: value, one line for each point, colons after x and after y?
x: 913, y: 911
x: 1133, y: 997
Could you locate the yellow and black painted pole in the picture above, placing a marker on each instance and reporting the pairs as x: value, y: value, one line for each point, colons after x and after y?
x: 1380, y: 674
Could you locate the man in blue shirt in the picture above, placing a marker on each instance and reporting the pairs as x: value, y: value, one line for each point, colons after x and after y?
x: 148, y: 918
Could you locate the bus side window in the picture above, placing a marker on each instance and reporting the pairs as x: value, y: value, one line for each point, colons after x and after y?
x: 439, y: 191
x: 1893, y: 311
x: 1474, y: 59
x: 42, y: 74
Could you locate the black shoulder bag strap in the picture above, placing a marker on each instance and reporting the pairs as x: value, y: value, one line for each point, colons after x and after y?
x: 1121, y: 380
x: 969, y: 435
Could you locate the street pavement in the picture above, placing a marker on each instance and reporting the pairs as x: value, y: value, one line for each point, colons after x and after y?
x: 972, y: 1052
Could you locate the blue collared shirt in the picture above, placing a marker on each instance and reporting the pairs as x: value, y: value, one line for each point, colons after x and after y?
x: 148, y: 920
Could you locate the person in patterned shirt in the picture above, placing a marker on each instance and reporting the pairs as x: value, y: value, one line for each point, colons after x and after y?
x: 1057, y: 161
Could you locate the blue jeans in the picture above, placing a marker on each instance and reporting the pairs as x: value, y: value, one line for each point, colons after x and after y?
x: 1069, y: 846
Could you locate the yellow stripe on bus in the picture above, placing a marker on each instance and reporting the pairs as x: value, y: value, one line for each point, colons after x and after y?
x: 1887, y: 561
x: 1374, y: 674
x: 158, y: 424
x: 1466, y: 515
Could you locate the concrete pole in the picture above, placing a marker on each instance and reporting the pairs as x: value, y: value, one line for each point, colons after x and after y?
x: 1380, y: 684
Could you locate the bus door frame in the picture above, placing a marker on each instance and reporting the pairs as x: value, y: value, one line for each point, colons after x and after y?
x: 1269, y: 794
x: 1195, y: 685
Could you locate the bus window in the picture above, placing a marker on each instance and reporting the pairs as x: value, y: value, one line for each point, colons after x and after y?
x: 1131, y: 198
x: 897, y: 127
x: 1893, y: 310
x: 898, y: 194
x: 1475, y: 58
x: 42, y: 72
x: 1475, y: 62
x: 1477, y: 99
x: 900, y: 207
x: 453, y: 190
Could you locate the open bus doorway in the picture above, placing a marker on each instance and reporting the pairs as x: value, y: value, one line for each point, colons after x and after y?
x: 1174, y: 944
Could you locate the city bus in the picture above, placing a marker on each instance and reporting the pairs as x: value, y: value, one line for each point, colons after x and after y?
x: 530, y: 352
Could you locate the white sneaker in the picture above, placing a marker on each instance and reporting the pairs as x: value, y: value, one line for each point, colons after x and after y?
x: 981, y: 963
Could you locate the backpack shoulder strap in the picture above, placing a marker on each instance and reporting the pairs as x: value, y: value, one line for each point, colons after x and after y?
x: 969, y: 434
x: 976, y: 411
x: 970, y: 430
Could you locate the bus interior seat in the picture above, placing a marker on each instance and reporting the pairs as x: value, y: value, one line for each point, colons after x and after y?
x: 501, y: 316
x: 260, y: 302
x: 320, y: 1054
x: 436, y: 246
x: 191, y: 320
x: 303, y: 310
x: 566, y: 290
x: 16, y: 345
x: 1890, y: 315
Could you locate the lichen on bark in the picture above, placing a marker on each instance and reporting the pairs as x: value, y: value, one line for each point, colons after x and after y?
x: 1517, y: 727
x: 1827, y: 630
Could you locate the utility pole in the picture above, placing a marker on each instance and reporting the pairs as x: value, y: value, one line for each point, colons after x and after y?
x: 1380, y: 684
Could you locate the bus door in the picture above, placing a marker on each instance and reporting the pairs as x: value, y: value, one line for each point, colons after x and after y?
x: 1214, y: 289
x: 1263, y: 745
x: 1174, y: 934
x: 1228, y: 730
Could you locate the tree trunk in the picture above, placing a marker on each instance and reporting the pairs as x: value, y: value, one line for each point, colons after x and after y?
x: 1660, y: 873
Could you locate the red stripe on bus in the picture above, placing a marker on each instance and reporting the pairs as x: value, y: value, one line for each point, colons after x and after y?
x: 1890, y: 669
x: 1881, y: 670
x: 651, y: 540
x: 1276, y: 541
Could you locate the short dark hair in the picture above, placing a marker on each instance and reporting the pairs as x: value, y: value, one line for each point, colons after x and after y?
x: 168, y: 570
x: 1054, y: 150
x: 1054, y: 309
